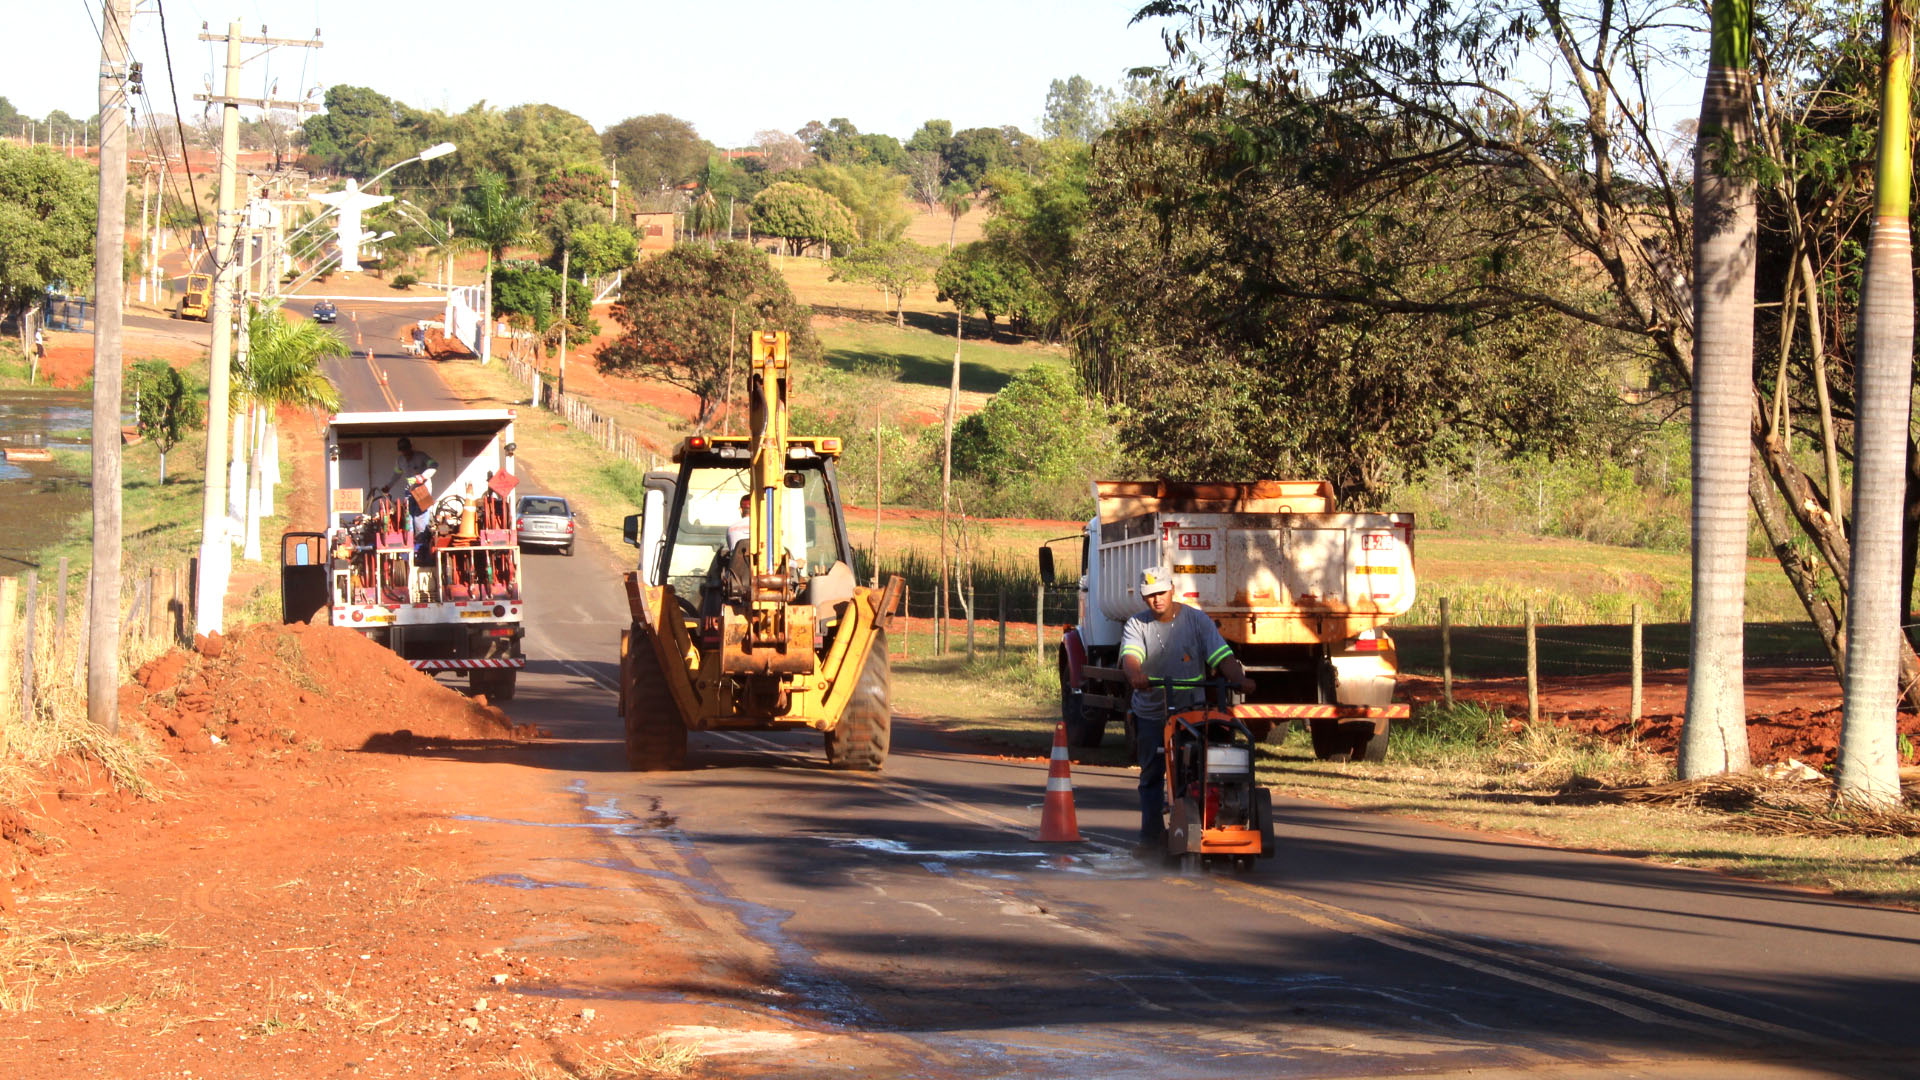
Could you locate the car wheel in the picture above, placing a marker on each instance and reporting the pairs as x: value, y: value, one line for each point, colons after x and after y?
x: 567, y: 551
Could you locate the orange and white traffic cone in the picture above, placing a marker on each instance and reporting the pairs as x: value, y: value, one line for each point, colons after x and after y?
x: 1057, y: 821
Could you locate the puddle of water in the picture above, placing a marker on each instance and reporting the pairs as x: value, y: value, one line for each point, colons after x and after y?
x: 39, y: 500
x: 522, y: 881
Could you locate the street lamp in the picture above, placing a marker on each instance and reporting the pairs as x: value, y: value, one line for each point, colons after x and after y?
x: 437, y: 150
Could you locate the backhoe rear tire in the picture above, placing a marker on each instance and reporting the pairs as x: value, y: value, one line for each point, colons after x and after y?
x: 859, y: 740
x: 656, y: 733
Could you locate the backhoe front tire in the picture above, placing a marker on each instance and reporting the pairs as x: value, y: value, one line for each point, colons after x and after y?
x: 656, y: 733
x: 859, y: 740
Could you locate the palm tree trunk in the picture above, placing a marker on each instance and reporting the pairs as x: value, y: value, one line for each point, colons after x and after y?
x: 1869, y: 767
x: 1714, y: 737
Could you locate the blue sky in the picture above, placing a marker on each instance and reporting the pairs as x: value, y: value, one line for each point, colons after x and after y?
x: 732, y: 69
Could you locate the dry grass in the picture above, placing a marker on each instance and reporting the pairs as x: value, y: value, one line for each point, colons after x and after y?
x: 33, y: 958
x: 658, y: 1056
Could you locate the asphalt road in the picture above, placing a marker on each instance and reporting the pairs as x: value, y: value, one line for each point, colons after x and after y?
x: 915, y: 903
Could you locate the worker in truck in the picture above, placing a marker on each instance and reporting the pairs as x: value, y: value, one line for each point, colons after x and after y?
x: 414, y: 469
x: 1169, y: 640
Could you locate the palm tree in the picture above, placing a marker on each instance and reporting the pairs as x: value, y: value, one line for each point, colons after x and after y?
x: 1714, y: 737
x: 283, y: 368
x: 1869, y: 773
x: 496, y: 220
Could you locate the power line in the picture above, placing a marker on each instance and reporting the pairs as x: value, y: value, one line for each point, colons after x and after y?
x: 173, y: 90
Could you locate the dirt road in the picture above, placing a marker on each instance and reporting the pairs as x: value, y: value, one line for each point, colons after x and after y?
x: 348, y: 900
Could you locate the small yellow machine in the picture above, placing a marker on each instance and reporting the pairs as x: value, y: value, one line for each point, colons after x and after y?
x: 195, y: 302
x: 746, y: 613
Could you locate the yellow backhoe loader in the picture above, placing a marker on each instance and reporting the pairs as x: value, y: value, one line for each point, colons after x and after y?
x: 746, y: 613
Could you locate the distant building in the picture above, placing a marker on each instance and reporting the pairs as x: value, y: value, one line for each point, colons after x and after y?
x: 655, y: 230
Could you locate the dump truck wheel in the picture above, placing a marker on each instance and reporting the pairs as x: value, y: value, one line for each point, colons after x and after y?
x: 1372, y: 746
x: 656, y: 733
x: 1085, y: 727
x: 859, y: 740
x: 1348, y: 740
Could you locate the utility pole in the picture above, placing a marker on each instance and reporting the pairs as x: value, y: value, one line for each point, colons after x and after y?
x: 561, y: 385
x: 216, y: 554
x: 109, y: 257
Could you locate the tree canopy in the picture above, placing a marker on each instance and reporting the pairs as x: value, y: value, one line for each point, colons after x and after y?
x: 686, y: 315
x: 805, y: 215
x: 47, y: 210
x: 655, y: 151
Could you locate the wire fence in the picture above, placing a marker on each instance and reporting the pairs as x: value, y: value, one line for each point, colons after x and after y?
x: 45, y: 630
x: 604, y: 430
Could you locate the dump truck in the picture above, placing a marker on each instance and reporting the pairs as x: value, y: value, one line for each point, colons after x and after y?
x: 1300, y: 591
x: 745, y: 610
x: 430, y: 570
x: 197, y: 299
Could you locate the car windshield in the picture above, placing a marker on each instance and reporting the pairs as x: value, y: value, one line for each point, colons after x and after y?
x: 543, y: 505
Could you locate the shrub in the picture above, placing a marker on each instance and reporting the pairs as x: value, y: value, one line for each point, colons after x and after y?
x: 404, y: 281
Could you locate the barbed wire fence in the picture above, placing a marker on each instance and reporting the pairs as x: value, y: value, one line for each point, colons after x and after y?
x: 604, y: 430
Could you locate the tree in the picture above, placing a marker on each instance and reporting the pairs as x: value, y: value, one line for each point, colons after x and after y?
x: 974, y: 277
x: 492, y: 217
x: 931, y: 137
x: 1714, y: 736
x: 532, y: 290
x: 363, y: 131
x: 164, y: 411
x: 1029, y: 451
x: 656, y: 151
x: 282, y: 371
x: 895, y: 269
x: 872, y: 193
x: 805, y: 215
x: 686, y: 315
x: 781, y: 152
x: 602, y: 249
x: 956, y: 198
x: 47, y: 205
x: 1076, y: 109
x: 972, y: 153
x: 1869, y: 774
x: 926, y: 177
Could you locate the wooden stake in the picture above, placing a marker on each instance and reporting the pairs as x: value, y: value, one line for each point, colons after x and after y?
x: 26, y: 649
x: 1446, y: 653
x: 1634, y: 701
x: 1001, y: 648
x: 1533, y: 670
x: 9, y: 595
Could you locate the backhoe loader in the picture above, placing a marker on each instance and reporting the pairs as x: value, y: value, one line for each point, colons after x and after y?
x: 746, y: 613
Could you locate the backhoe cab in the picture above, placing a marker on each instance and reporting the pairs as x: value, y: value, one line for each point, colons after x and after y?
x: 752, y: 620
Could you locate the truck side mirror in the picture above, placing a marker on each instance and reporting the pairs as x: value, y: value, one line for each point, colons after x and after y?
x: 1046, y: 565
x: 630, y: 529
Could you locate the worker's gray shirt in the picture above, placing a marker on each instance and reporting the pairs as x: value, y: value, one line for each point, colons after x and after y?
x: 1182, y: 648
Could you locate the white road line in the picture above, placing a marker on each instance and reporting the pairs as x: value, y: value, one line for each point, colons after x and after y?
x: 1440, y: 947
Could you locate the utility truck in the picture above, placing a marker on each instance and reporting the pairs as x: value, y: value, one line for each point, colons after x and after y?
x: 1300, y: 591
x: 430, y: 569
x: 746, y: 614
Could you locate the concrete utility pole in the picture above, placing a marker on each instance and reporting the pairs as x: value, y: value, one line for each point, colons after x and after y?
x: 109, y: 258
x: 216, y: 554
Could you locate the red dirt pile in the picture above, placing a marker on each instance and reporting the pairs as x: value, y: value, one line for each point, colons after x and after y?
x: 270, y: 689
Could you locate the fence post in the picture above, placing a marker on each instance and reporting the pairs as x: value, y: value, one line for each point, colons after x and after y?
x: 969, y: 622
x: 153, y: 602
x: 190, y: 607
x: 85, y: 625
x: 26, y: 649
x: 1633, y: 700
x: 9, y: 593
x: 1001, y: 598
x: 1446, y: 653
x: 906, y: 620
x: 1533, y: 670
x: 60, y: 619
x: 1040, y: 624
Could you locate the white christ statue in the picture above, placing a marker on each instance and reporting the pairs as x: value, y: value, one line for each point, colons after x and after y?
x: 351, y: 203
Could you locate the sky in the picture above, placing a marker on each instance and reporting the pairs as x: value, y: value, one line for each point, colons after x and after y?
x: 731, y: 70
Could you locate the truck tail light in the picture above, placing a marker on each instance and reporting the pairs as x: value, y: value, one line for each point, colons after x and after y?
x: 500, y: 633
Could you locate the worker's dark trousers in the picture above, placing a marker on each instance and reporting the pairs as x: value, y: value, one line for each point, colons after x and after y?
x: 1150, y: 742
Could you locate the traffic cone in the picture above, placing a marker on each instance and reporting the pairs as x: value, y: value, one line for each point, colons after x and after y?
x: 1057, y: 821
